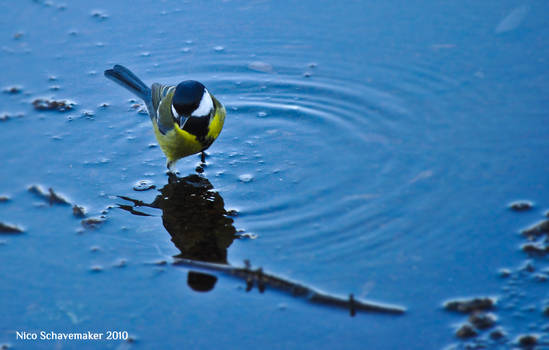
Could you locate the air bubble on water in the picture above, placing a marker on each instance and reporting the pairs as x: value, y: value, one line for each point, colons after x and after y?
x: 246, y: 177
x: 260, y: 66
x: 143, y: 185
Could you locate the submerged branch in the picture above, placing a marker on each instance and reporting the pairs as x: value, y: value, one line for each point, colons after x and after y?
x: 262, y: 280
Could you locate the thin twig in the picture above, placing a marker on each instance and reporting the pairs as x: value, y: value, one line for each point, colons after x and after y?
x: 262, y: 280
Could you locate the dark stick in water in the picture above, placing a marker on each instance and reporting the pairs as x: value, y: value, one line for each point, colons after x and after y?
x: 262, y: 280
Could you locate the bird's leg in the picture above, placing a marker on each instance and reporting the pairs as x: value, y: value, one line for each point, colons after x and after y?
x: 203, y: 157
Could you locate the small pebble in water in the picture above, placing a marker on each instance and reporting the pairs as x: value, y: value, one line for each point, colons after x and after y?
x: 537, y: 229
x: 54, y: 87
x: 4, y: 199
x: 312, y: 65
x: 470, y: 305
x: 504, y: 273
x: 96, y: 268
x: 246, y: 177
x: 219, y: 48
x: 13, y: 89
x: 92, y: 223
x: 120, y: 263
x: 143, y: 185
x: 78, y: 211
x: 18, y: 35
x: 307, y: 74
x: 466, y: 331
x: 481, y: 320
x: 527, y: 340
x: 52, y: 78
x: 94, y: 249
x: 497, y: 334
x: 7, y: 228
x: 521, y: 205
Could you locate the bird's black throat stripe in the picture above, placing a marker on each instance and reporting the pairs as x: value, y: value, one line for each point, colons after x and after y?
x: 199, y: 127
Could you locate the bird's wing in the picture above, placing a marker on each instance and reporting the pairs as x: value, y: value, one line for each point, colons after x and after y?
x: 158, y: 92
x: 162, y: 104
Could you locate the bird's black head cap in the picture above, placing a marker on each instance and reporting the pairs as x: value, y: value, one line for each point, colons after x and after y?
x: 187, y: 97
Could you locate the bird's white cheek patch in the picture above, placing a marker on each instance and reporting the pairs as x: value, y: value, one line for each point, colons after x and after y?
x: 205, y: 106
x: 174, y: 112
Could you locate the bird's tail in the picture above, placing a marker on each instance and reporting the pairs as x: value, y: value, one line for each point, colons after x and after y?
x: 123, y: 76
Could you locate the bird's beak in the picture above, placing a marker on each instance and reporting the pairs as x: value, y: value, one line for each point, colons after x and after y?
x: 182, y: 120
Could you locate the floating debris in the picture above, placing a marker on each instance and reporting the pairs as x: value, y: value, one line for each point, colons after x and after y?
x: 7, y: 228
x: 521, y: 205
x: 259, y: 66
x: 5, y: 117
x: 92, y: 223
x: 50, y: 196
x: 98, y: 14
x: 537, y: 229
x: 52, y: 105
x: 466, y: 331
x: 143, y: 185
x: 16, y: 89
x: 78, y: 211
x: 470, y: 305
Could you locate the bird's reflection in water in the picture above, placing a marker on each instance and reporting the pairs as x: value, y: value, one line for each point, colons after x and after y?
x: 195, y: 216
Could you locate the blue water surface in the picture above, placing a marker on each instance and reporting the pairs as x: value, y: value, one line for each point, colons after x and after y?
x: 372, y: 148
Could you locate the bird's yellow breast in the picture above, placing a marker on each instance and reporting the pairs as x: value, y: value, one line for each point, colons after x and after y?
x: 178, y: 143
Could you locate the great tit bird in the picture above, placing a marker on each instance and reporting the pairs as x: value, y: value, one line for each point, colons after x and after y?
x: 186, y: 118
